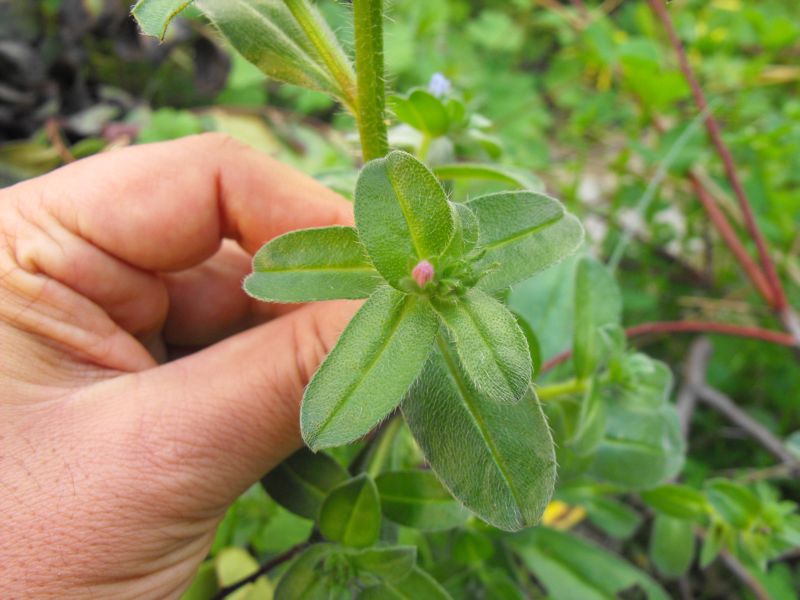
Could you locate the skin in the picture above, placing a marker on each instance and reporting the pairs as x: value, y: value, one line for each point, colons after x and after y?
x: 116, y: 464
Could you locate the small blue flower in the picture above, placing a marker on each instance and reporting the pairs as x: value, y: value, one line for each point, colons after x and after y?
x: 439, y: 85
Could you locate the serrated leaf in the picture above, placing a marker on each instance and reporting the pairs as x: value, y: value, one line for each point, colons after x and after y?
x: 417, y: 499
x: 423, y: 111
x: 324, y: 263
x: 571, y: 568
x: 497, y: 459
x: 491, y: 347
x: 402, y: 215
x: 523, y: 233
x: 351, y: 514
x: 500, y: 173
x: 417, y: 585
x: 302, y: 481
x: 375, y: 361
x: 598, y: 304
x: 672, y: 545
x: 304, y: 578
x: 677, y: 501
x: 269, y: 35
x: 387, y: 564
x: 154, y: 16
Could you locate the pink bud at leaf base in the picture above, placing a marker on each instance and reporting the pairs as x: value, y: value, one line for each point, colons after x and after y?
x: 422, y: 273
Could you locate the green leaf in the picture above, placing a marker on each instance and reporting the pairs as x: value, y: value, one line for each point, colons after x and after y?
x: 677, y: 501
x: 516, y: 177
x: 351, y: 514
x: 472, y: 548
x: 387, y: 564
x: 234, y: 564
x: 402, y: 215
x: 713, y: 542
x: 598, y: 304
x: 570, y: 568
x: 324, y: 263
x: 465, y: 234
x: 491, y: 347
x: 154, y: 16
x: 612, y: 516
x: 423, y: 111
x: 304, y: 578
x: 672, y: 545
x: 523, y: 233
x: 416, y: 499
x: 497, y: 459
x: 365, y: 376
x: 733, y: 502
x: 417, y: 585
x: 533, y: 343
x: 302, y: 481
x: 287, y: 40
x: 591, y: 423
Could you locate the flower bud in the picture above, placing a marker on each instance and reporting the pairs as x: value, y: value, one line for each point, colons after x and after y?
x: 422, y: 273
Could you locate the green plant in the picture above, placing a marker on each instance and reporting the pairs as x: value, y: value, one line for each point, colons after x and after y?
x: 436, y: 338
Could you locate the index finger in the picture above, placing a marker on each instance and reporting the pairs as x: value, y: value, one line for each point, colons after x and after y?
x: 167, y: 206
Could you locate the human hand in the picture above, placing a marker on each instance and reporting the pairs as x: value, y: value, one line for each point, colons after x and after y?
x: 114, y: 469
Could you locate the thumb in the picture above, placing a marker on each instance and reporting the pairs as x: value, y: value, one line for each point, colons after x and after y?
x: 226, y: 415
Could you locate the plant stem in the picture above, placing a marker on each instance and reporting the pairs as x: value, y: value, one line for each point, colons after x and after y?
x: 370, y: 101
x: 328, y: 48
x: 424, y: 147
x: 563, y: 388
x: 779, y: 296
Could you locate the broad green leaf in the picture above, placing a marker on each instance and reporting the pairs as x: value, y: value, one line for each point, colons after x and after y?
x: 402, y: 215
x: 417, y: 585
x: 324, y: 263
x: 677, y: 501
x: 533, y: 343
x: 733, y: 502
x: 642, y: 382
x: 351, y: 514
x: 491, y: 347
x: 713, y: 542
x: 423, y: 111
x: 571, y: 568
x: 387, y: 564
x: 302, y: 481
x: 641, y: 449
x: 287, y: 40
x: 598, y: 304
x: 305, y: 578
x: 497, y: 459
x: 523, y: 233
x: 672, y: 545
x: 365, y: 376
x: 416, y: 499
x: 516, y: 177
x: 154, y: 16
x: 472, y: 548
x: 612, y: 516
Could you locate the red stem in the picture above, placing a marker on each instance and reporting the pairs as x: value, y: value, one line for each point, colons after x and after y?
x: 778, y: 295
x: 661, y: 327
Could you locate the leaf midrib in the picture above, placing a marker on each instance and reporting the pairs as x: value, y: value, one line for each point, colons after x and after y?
x: 403, y: 202
x: 522, y: 234
x: 480, y: 424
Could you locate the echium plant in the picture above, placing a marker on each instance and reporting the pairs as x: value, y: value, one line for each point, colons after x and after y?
x: 431, y: 334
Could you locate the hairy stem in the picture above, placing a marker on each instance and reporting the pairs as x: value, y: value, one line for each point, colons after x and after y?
x: 563, y: 388
x: 371, y: 96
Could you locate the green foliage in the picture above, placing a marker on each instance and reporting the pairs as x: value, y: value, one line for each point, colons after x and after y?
x: 351, y: 513
x: 417, y: 499
x: 672, y: 545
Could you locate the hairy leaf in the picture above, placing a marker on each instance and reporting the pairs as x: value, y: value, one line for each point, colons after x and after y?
x: 302, y: 481
x: 515, y: 177
x: 351, y: 514
x: 154, y: 16
x: 416, y: 499
x: 490, y: 345
x: 598, y: 304
x: 417, y: 585
x: 571, y: 568
x: 402, y: 214
x: 672, y: 545
x: 523, y: 233
x: 497, y: 459
x: 365, y: 376
x: 324, y: 263
x: 288, y: 41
